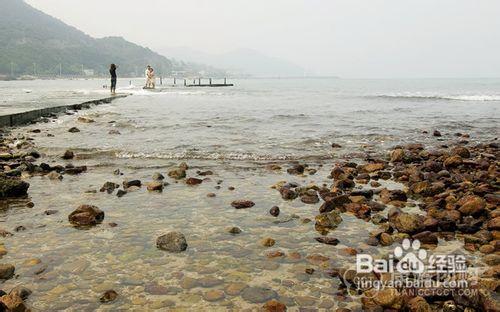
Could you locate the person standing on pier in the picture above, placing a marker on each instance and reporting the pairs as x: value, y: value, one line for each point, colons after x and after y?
x: 146, y: 74
x: 112, y: 72
x: 152, y: 78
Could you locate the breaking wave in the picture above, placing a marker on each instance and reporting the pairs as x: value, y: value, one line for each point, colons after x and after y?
x: 419, y: 96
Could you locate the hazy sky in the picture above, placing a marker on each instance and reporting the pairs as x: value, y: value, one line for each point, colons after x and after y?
x: 348, y: 38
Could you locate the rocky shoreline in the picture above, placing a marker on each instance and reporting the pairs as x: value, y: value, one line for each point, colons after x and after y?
x: 456, y: 186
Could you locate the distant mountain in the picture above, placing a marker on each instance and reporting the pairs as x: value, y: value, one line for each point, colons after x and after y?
x: 34, y: 42
x: 241, y: 62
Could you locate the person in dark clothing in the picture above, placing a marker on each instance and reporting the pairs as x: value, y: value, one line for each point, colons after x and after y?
x: 112, y: 72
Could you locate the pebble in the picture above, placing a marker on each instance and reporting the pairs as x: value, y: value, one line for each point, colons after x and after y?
x: 234, y: 289
x: 214, y: 295
x: 258, y: 294
x: 268, y: 242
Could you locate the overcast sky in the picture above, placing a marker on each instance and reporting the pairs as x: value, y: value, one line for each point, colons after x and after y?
x: 348, y: 38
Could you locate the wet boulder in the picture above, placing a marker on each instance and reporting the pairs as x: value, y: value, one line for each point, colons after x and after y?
x: 12, y: 187
x: 172, y: 242
x: 21, y: 291
x: 242, y: 204
x: 372, y: 167
x: 130, y: 183
x: 453, y: 161
x: 155, y: 186
x: 109, y: 187
x: 296, y: 169
x: 328, y: 220
x: 471, y: 205
x: 397, y: 155
x: 274, y: 211
x: 177, y: 173
x: 407, y: 222
x: 193, y: 181
x: 287, y: 193
x: 86, y: 215
x: 108, y: 296
x: 68, y: 155
x: 6, y: 271
x: 332, y: 203
x: 12, y: 302
x: 387, y: 196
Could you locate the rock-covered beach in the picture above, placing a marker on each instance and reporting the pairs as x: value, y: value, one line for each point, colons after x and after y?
x: 84, y: 235
x: 257, y: 197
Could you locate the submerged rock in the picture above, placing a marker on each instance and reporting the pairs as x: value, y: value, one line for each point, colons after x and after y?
x: 109, y: 187
x: 172, y: 242
x: 193, y: 181
x: 86, y: 215
x: 158, y: 176
x: 68, y: 155
x: 328, y: 220
x: 155, y: 186
x: 327, y: 240
x: 274, y: 306
x: 21, y: 291
x: 178, y: 173
x: 268, y: 242
x: 6, y: 271
x: 130, y: 183
x: 13, y: 303
x: 258, y: 294
x: 234, y: 230
x: 242, y: 204
x: 274, y: 211
x: 108, y: 296
x: 12, y: 187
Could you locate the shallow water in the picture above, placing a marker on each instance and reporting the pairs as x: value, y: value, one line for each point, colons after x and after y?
x: 234, y: 132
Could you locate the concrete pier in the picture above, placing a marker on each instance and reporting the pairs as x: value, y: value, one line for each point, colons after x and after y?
x: 19, y: 119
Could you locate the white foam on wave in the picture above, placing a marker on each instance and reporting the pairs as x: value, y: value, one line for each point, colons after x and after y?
x: 449, y: 97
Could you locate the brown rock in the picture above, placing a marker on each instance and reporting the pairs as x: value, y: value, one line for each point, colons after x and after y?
x: 373, y: 167
x: 471, y: 205
x: 268, y: 242
x: 388, y: 298
x: 418, y: 304
x: 275, y: 254
x: 487, y: 249
x: 453, y: 161
x: 327, y: 240
x: 274, y: 306
x: 172, y: 242
x: 386, y: 239
x: 407, y: 223
x: 86, y: 215
x: 274, y: 211
x: 177, y: 173
x: 242, y: 204
x: 68, y: 155
x: 214, y: 295
x: 234, y: 289
x: 234, y: 230
x: 193, y: 181
x: 332, y: 203
x: 155, y: 186
x: 108, y: 296
x: 494, y: 224
x: 426, y: 237
x: 6, y: 271
x: 13, y: 303
x: 397, y: 155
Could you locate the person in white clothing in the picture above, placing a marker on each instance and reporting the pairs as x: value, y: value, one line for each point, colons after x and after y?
x: 148, y: 80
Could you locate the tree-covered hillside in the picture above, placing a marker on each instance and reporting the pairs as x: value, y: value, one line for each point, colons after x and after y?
x: 34, y: 42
